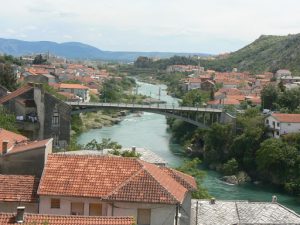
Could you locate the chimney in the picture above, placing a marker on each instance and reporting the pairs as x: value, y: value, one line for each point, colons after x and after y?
x: 20, y: 214
x: 133, y: 148
x: 212, y: 201
x: 274, y: 199
x: 4, y: 146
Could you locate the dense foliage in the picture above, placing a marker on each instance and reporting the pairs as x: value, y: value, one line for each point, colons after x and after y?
x: 250, y: 149
x: 274, y: 98
x: 8, y: 78
x: 39, y: 60
x: 118, y: 90
x: 7, y: 120
x: 191, y: 167
x: 145, y: 62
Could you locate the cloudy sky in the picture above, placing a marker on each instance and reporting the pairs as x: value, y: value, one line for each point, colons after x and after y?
x: 210, y: 26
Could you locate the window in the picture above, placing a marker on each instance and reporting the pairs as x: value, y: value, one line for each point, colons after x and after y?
x: 95, y: 209
x: 77, y: 208
x: 278, y: 124
x: 277, y: 132
x: 55, y: 203
x: 55, y: 118
x: 267, y: 121
x: 274, y: 123
x: 144, y: 216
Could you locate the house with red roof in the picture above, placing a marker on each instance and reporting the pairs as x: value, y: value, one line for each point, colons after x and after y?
x: 283, y: 123
x: 18, y: 190
x: 115, y: 186
x: 31, y: 218
x: 76, y: 89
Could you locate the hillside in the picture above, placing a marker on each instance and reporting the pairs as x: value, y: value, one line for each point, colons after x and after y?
x: 267, y: 53
x: 74, y: 50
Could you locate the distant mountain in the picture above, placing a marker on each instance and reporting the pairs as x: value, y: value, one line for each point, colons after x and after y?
x: 267, y: 53
x: 75, y: 50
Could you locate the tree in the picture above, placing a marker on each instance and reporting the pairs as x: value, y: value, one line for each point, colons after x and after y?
x: 7, y: 120
x: 195, y: 98
x: 8, y: 77
x: 269, y: 96
x: 39, y: 60
x: 217, y: 143
x: 191, y: 167
x: 290, y: 99
x: 106, y: 143
x: 276, y: 160
x: 230, y: 167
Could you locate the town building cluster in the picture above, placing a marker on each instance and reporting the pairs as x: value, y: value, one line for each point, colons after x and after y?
x: 38, y: 186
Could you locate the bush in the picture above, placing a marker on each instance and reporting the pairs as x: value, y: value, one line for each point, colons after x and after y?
x: 230, y: 167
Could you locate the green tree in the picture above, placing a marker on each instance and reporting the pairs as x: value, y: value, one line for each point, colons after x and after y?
x: 230, y: 167
x: 276, y: 160
x: 269, y: 96
x: 191, y: 167
x: 195, y: 98
x: 8, y: 77
x: 7, y: 120
x: 39, y: 59
x: 217, y: 143
x: 106, y: 143
x: 290, y: 99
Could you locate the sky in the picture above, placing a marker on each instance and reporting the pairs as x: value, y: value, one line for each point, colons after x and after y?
x: 210, y: 26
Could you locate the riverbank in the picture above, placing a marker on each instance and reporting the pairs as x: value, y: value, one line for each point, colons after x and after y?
x: 97, y: 120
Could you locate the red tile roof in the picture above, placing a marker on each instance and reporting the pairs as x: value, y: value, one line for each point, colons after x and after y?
x: 15, y: 188
x: 224, y: 102
x: 287, y: 118
x: 122, y: 179
x: 184, y: 179
x: 40, y: 219
x: 11, y: 137
x: 72, y: 86
x: 15, y: 93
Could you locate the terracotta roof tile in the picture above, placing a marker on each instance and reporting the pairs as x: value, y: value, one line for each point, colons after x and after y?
x: 15, y: 93
x: 184, y: 179
x: 15, y: 188
x: 40, y: 219
x: 287, y: 118
x: 12, y: 137
x: 124, y: 179
x: 72, y: 86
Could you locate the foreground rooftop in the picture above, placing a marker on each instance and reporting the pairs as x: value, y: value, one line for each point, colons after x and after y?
x: 242, y: 212
x: 30, y: 219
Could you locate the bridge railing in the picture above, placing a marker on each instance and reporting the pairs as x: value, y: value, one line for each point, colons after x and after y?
x: 143, y: 106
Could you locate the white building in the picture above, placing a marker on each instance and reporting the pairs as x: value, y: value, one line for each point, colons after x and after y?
x: 76, y: 89
x: 281, y: 123
x: 282, y: 73
x: 92, y: 185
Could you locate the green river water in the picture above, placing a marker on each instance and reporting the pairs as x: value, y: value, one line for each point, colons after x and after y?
x: 150, y: 131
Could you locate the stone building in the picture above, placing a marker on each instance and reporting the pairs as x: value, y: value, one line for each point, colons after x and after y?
x: 39, y: 114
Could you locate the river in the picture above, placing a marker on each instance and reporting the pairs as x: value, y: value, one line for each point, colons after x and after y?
x: 150, y: 131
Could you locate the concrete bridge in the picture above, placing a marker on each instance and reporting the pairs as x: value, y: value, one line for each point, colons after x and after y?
x: 201, y: 117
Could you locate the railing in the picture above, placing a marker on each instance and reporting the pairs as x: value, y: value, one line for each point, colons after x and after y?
x: 140, y: 106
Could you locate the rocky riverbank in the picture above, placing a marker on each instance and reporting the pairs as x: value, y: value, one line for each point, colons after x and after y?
x: 97, y: 120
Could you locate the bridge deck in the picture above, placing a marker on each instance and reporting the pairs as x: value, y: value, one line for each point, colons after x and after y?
x: 143, y: 107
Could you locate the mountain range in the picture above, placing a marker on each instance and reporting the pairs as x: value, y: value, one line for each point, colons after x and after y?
x: 76, y: 50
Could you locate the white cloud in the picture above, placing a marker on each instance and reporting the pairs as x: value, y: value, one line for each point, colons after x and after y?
x: 146, y: 25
